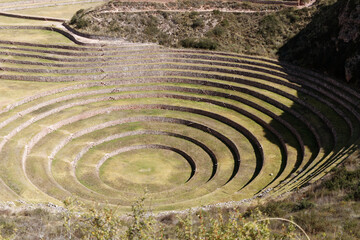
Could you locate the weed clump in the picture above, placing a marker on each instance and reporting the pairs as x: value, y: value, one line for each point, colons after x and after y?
x: 202, y: 43
x: 79, y: 20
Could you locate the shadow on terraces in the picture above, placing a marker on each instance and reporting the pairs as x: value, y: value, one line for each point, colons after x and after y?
x: 329, y: 45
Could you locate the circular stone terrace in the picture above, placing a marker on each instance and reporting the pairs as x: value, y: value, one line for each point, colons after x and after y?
x: 107, y: 121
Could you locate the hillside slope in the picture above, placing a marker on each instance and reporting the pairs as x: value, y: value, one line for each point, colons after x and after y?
x: 322, y: 37
x: 256, y: 29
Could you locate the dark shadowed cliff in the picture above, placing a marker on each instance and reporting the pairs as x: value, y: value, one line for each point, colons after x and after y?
x: 330, y: 42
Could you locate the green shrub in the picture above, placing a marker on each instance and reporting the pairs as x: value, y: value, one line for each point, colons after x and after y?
x: 216, y: 12
x: 276, y: 208
x: 165, y: 15
x: 197, y: 23
x: 76, y: 16
x: 81, y: 23
x: 192, y: 15
x: 206, y: 43
x: 151, y: 30
x: 152, y: 21
x: 218, y: 31
x: 202, y: 43
x: 356, y: 194
x: 78, y: 19
x: 304, y: 204
x: 73, y: 19
x: 164, y: 39
x: 225, y: 23
x: 292, y: 16
x: 188, y: 42
x: 269, y: 25
x: 114, y: 27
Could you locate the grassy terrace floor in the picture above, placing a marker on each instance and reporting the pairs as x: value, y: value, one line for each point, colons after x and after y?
x: 64, y: 12
x: 56, y: 9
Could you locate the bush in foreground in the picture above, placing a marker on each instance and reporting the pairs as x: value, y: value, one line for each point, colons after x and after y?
x: 102, y: 222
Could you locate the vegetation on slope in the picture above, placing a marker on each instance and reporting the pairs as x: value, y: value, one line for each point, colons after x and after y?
x: 260, y: 33
x: 324, y: 37
x: 99, y: 222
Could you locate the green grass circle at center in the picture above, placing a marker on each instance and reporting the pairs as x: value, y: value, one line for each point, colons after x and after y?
x: 145, y: 169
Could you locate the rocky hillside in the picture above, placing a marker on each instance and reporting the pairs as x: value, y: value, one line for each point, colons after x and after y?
x: 322, y: 37
x: 233, y: 28
x: 330, y: 42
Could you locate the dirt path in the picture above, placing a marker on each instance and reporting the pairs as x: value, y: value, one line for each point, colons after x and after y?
x: 132, y: 10
x: 189, y: 10
x: 309, y: 4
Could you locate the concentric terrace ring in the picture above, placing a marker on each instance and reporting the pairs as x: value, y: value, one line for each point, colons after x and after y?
x: 188, y: 127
